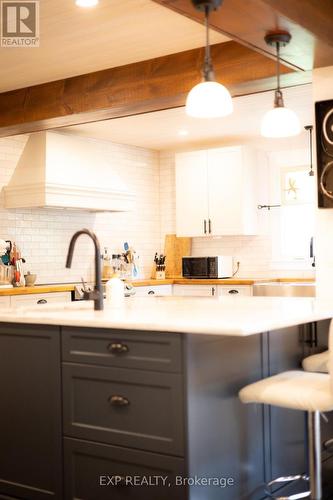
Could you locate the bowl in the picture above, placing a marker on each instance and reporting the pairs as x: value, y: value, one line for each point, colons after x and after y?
x: 30, y: 279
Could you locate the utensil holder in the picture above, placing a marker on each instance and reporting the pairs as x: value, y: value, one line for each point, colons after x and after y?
x: 6, y: 275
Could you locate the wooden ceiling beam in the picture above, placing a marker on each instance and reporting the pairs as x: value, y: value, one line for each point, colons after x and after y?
x: 151, y: 85
x: 308, y: 21
x: 314, y: 15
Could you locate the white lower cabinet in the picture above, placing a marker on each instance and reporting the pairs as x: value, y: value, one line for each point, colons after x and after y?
x: 195, y: 290
x: 211, y: 290
x: 161, y: 290
x: 39, y: 299
x: 4, y: 301
x: 245, y: 290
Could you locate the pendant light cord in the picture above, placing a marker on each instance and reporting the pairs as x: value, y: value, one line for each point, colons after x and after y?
x: 278, y: 66
x: 207, y: 33
x: 278, y: 102
x: 208, y: 72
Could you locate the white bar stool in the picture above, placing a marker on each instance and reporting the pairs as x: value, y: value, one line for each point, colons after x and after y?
x: 317, y: 363
x: 298, y: 390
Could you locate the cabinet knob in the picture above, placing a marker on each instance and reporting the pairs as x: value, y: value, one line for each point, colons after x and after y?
x: 118, y: 348
x: 233, y: 292
x: 118, y: 401
x: 42, y: 301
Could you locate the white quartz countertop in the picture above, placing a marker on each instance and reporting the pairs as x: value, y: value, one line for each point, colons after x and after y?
x: 235, y: 316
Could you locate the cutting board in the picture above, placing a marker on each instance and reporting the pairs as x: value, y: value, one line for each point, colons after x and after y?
x: 174, y: 249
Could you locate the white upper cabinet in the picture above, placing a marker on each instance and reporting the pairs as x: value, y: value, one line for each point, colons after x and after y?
x: 215, y: 192
x: 191, y: 193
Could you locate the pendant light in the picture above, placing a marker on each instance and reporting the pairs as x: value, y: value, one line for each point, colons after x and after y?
x: 279, y: 121
x: 208, y: 99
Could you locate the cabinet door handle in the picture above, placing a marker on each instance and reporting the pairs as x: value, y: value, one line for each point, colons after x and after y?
x: 210, y: 226
x: 205, y: 226
x: 213, y: 291
x: 151, y: 292
x: 118, y: 348
x: 116, y: 400
x: 233, y: 292
x: 42, y: 301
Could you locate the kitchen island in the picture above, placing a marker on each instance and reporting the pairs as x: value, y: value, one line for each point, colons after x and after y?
x: 98, y: 404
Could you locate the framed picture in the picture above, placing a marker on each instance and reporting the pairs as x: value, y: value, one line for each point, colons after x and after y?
x: 297, y: 186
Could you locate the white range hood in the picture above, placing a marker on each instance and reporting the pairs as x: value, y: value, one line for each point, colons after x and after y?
x: 59, y: 170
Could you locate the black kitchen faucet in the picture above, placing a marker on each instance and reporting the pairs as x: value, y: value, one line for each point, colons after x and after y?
x: 97, y: 294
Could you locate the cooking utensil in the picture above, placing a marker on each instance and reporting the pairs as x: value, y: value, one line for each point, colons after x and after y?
x: 7, y: 246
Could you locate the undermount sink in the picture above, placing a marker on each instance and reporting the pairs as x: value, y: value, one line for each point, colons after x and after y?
x: 286, y: 289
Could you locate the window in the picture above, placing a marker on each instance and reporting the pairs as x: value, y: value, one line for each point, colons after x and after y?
x: 293, y: 224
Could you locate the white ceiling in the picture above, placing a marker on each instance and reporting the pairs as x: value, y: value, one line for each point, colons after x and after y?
x: 160, y: 130
x: 75, y: 41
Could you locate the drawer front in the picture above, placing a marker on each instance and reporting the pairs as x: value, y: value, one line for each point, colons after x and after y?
x: 124, y: 407
x: 4, y: 302
x: 89, y: 468
x: 39, y: 299
x: 151, y: 351
x: 195, y: 290
x: 150, y: 291
x: 234, y: 291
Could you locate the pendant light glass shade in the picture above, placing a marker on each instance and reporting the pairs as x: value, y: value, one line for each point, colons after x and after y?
x: 86, y: 3
x: 209, y: 100
x: 280, y: 122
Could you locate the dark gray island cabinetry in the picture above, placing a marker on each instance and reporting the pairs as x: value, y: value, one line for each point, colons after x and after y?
x: 94, y: 414
x: 30, y: 416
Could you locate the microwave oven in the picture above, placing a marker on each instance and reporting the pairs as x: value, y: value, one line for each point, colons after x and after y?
x: 207, y: 267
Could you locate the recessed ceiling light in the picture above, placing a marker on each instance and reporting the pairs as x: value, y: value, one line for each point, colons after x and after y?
x: 86, y: 3
x: 183, y: 132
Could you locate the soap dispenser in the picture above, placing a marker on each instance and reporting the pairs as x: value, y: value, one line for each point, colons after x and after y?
x: 115, y: 291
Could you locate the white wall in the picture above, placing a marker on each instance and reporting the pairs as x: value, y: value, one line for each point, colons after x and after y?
x: 44, y: 235
x: 322, y: 90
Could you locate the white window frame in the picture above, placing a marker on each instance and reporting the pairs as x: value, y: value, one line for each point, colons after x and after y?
x: 279, y: 260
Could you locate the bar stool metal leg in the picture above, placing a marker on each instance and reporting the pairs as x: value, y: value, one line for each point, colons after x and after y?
x: 328, y: 445
x: 314, y: 478
x: 314, y: 455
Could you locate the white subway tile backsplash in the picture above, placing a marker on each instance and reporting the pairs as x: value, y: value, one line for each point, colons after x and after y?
x: 44, y: 235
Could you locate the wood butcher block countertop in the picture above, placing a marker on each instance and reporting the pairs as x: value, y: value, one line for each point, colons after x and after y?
x: 28, y: 290
x: 226, y: 281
